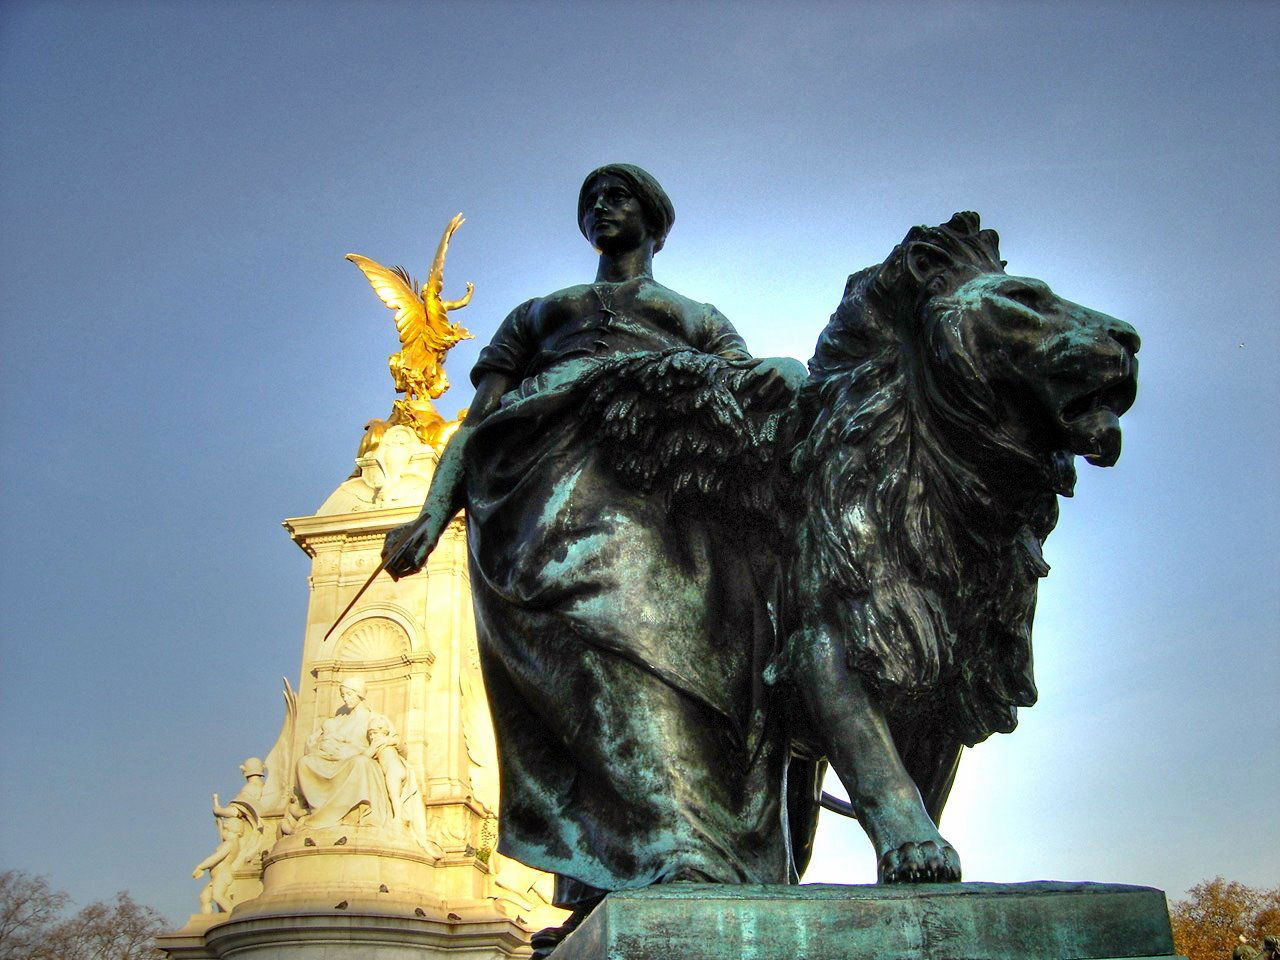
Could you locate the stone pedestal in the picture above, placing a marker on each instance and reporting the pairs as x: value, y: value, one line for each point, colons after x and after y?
x: 362, y: 933
x: 959, y: 921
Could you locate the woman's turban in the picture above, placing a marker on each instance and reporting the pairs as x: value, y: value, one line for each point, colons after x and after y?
x: 658, y: 211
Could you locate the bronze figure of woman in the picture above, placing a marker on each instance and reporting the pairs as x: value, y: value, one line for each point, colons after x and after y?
x: 622, y: 637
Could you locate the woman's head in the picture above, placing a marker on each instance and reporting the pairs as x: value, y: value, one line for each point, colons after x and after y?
x: 352, y: 691
x: 656, y: 206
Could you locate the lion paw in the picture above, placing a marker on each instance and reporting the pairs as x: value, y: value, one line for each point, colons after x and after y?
x: 927, y: 862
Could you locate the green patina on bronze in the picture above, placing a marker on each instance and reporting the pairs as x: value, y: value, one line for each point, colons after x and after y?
x: 1017, y: 921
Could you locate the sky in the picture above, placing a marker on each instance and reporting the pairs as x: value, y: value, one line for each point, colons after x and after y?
x: 186, y: 359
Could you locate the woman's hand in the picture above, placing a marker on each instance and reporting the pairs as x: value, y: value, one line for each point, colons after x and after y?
x: 776, y: 380
x: 409, y: 545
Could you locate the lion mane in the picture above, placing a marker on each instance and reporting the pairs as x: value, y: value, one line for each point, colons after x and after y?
x: 919, y: 520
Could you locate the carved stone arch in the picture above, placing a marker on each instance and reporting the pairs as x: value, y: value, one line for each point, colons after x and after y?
x: 372, y: 639
x: 377, y: 645
x: 398, y: 615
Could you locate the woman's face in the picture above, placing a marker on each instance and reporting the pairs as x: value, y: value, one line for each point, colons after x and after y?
x: 349, y: 697
x: 614, y: 219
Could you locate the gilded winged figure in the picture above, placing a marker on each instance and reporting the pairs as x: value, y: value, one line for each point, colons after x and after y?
x: 426, y: 336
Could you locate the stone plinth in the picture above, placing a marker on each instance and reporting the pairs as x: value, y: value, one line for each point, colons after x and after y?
x: 361, y: 934
x: 344, y: 863
x: 958, y: 921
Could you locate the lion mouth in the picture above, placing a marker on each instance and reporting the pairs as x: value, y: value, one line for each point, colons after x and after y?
x: 1091, y: 421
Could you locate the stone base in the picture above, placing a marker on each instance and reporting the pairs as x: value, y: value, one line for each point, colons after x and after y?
x: 354, y: 893
x: 359, y: 932
x: 365, y: 937
x: 954, y: 921
x: 337, y: 863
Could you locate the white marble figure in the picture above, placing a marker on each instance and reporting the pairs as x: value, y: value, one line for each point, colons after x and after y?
x: 338, y: 779
x: 240, y: 832
x: 407, y: 808
x: 383, y: 745
x: 354, y: 774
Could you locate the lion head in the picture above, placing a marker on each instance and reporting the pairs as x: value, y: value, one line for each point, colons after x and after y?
x: 945, y: 405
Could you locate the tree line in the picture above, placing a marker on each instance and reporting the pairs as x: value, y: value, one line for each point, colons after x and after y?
x: 1222, y: 919
x: 35, y: 924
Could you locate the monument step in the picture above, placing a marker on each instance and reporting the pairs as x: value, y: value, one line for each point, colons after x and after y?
x: 954, y: 921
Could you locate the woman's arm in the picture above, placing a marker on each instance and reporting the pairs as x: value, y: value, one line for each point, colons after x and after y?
x: 408, y: 546
x: 774, y: 379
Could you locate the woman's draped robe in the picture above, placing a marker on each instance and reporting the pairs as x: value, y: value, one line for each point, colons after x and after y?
x: 336, y: 775
x: 621, y: 643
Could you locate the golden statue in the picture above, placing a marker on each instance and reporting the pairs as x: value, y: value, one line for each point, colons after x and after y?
x: 426, y: 335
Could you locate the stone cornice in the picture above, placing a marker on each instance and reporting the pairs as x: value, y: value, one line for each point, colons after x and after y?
x: 338, y: 665
x: 311, y: 532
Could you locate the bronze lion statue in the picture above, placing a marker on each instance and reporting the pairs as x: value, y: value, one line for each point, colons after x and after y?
x: 945, y: 405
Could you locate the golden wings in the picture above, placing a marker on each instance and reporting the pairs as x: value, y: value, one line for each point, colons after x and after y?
x: 426, y: 332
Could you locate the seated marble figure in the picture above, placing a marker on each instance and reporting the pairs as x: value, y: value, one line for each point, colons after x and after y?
x: 352, y: 773
x: 337, y: 778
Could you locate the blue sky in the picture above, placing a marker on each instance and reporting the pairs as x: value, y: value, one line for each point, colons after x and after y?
x: 186, y: 358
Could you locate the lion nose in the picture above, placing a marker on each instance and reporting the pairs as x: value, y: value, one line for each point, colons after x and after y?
x: 1123, y: 334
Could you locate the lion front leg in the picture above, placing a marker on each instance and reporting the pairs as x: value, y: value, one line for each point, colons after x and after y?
x: 848, y: 724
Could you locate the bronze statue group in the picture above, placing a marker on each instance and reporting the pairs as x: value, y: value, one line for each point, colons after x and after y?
x: 700, y: 576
